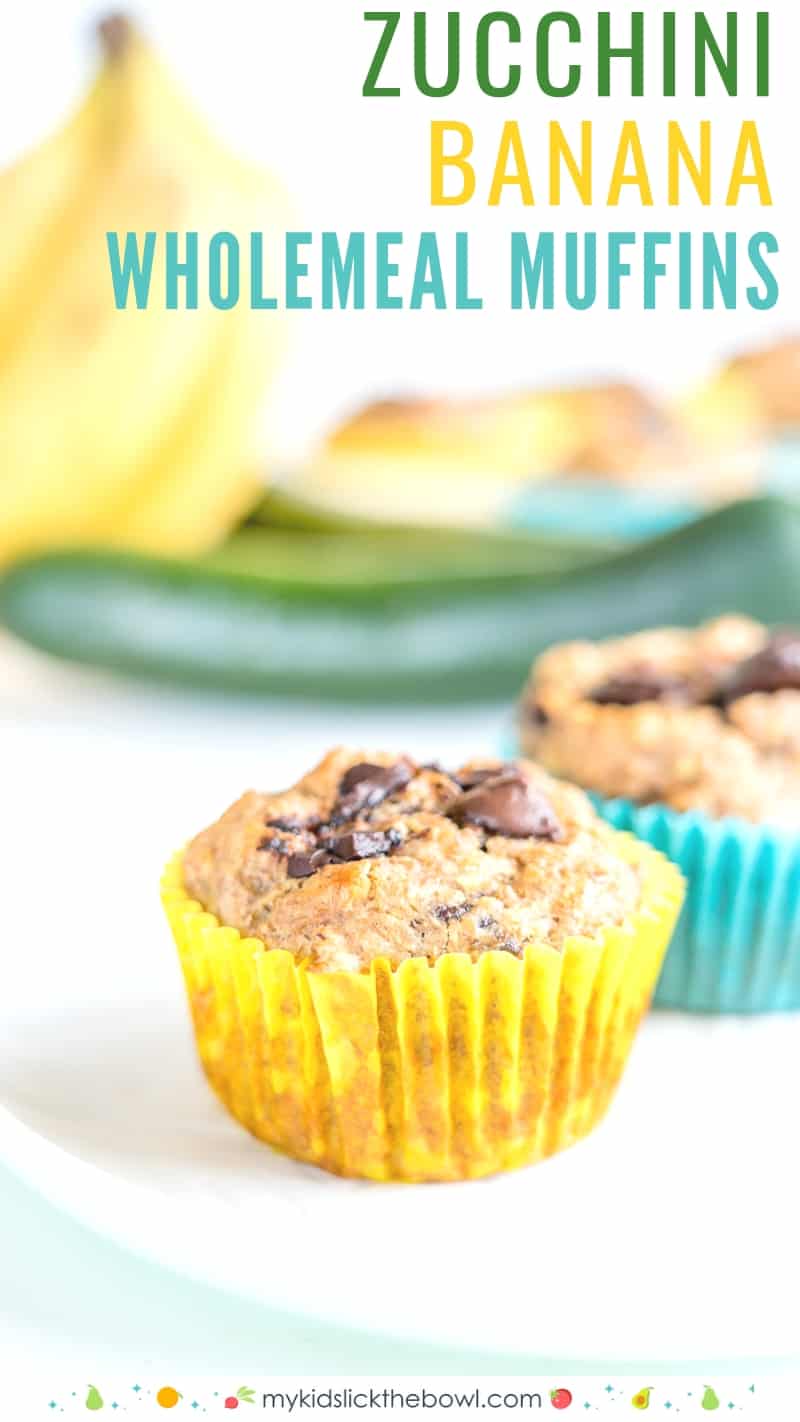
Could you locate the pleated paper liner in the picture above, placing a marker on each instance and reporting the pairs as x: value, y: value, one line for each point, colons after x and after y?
x: 599, y: 508
x: 424, y: 1072
x: 594, y: 505
x: 737, y: 944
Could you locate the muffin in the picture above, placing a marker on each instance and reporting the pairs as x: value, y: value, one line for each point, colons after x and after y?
x: 620, y: 433
x: 702, y: 449
x: 691, y: 738
x: 446, y: 459
x: 773, y: 375
x: 527, y: 455
x: 400, y: 972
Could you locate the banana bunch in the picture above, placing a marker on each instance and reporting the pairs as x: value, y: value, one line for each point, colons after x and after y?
x: 131, y: 427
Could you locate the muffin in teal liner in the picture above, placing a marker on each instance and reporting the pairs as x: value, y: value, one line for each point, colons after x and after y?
x: 691, y: 740
x: 636, y: 466
x: 737, y: 944
x: 597, y: 506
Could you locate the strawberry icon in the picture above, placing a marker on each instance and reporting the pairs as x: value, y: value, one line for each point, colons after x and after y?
x: 561, y: 1398
x: 245, y: 1394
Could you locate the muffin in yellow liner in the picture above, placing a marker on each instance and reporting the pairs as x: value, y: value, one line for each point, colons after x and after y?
x: 447, y: 1066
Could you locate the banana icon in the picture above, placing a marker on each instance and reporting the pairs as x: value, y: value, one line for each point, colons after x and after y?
x: 131, y: 427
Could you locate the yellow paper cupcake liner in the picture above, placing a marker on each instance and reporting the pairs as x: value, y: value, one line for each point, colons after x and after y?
x: 442, y: 1071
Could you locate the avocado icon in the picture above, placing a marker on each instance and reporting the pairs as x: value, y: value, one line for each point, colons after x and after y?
x: 710, y: 1400
x: 94, y: 1401
x: 641, y: 1399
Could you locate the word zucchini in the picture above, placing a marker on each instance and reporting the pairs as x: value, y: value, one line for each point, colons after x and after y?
x: 561, y: 52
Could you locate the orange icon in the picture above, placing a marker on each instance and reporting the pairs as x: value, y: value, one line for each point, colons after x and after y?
x: 168, y: 1397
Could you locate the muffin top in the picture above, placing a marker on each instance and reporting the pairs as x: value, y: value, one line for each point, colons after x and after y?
x: 375, y: 856
x: 697, y: 719
x: 621, y: 432
x: 774, y: 373
x: 611, y: 429
x: 623, y: 435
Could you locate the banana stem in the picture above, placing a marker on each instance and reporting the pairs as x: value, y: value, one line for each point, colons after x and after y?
x: 115, y: 31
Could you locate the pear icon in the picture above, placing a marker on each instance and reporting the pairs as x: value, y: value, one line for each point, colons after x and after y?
x: 641, y: 1399
x: 710, y: 1400
x: 94, y: 1401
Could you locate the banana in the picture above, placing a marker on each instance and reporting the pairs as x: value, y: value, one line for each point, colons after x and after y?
x: 136, y: 428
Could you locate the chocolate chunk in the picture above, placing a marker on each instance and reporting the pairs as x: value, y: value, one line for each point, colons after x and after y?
x: 505, y: 804
x: 288, y: 826
x: 280, y: 846
x: 302, y: 866
x: 775, y: 668
x: 536, y: 715
x: 509, y: 945
x: 468, y: 779
x: 450, y: 913
x: 343, y: 849
x: 641, y: 683
x: 364, y: 786
x: 360, y: 844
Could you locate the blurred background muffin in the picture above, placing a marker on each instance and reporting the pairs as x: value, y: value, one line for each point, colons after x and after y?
x: 531, y: 457
x: 448, y: 458
x: 773, y: 374
x: 690, y: 738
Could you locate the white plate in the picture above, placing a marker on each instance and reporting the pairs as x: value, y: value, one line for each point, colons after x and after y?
x: 671, y: 1233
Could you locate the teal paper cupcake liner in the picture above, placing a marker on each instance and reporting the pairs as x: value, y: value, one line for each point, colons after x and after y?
x: 783, y: 466
x: 596, y: 506
x: 601, y: 509
x: 737, y: 944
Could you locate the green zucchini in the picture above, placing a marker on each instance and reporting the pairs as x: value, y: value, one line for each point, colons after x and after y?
x: 424, y: 639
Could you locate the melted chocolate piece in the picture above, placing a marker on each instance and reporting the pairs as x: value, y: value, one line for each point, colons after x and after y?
x: 536, y: 715
x: 641, y: 683
x: 364, y: 786
x: 361, y: 844
x: 302, y: 866
x: 280, y: 846
x: 506, y: 805
x: 343, y: 849
x: 288, y: 826
x: 468, y: 779
x: 775, y: 668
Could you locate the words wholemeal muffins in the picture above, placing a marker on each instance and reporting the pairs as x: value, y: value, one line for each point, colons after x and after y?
x: 691, y: 738
x: 404, y: 972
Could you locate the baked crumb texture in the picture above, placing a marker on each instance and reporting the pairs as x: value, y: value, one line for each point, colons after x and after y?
x: 374, y: 856
x: 705, y: 719
x: 400, y: 973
